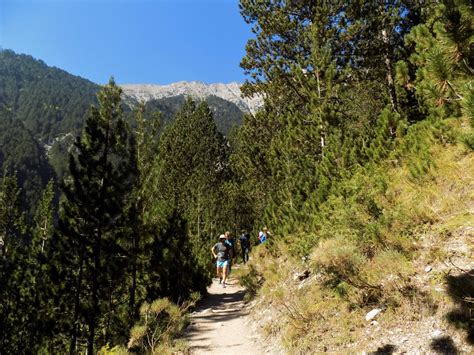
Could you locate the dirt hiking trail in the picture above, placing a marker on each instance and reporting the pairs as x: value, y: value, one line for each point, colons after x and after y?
x: 221, y: 325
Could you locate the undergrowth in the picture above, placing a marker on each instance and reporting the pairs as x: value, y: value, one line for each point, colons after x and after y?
x: 161, y: 323
x: 365, y: 238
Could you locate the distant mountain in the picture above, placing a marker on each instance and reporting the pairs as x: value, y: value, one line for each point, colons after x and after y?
x: 43, y: 108
x: 230, y: 92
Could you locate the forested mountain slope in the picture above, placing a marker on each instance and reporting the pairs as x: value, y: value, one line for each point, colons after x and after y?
x: 390, y: 267
x: 51, y: 102
x: 49, y: 107
x: 20, y: 152
x: 226, y: 114
x: 48, y: 100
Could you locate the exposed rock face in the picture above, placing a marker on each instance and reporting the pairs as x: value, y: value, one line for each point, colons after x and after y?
x: 230, y: 92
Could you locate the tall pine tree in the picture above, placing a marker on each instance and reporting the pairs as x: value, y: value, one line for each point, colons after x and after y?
x: 92, y: 221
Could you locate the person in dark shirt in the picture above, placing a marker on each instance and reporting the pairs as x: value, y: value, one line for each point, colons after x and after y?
x: 221, y: 252
x: 245, y: 245
x: 231, y: 243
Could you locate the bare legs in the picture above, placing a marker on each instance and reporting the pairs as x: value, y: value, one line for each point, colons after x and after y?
x: 222, y: 273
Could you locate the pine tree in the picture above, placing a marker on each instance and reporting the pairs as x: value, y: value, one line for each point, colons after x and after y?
x: 14, y: 309
x: 37, y: 274
x: 144, y: 219
x: 444, y: 59
x: 193, y: 168
x: 326, y: 71
x: 92, y: 219
x: 301, y: 94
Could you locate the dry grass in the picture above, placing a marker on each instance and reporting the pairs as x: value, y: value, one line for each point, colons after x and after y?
x: 425, y: 222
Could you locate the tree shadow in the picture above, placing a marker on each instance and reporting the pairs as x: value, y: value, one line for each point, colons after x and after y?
x: 387, y: 349
x: 444, y: 345
x: 461, y: 290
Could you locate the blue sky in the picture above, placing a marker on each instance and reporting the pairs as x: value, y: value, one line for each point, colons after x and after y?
x: 136, y: 41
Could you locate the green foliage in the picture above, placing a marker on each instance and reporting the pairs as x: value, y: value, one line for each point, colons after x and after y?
x: 92, y: 221
x: 21, y: 153
x: 226, y: 113
x: 327, y: 73
x: 192, y: 171
x: 443, y: 57
x: 343, y: 132
x: 14, y: 308
x: 160, y: 322
x: 468, y: 140
x: 48, y: 100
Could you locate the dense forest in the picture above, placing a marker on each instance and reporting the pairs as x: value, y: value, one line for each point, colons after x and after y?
x: 43, y: 108
x: 352, y: 89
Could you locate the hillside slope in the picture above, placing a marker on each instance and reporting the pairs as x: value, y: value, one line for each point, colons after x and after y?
x: 417, y: 278
x: 48, y: 100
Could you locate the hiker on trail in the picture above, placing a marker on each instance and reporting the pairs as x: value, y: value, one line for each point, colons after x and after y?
x: 221, y: 251
x: 245, y: 245
x: 263, y: 235
x: 230, y: 241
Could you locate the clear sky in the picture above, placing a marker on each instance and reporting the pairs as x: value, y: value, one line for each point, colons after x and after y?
x: 136, y: 41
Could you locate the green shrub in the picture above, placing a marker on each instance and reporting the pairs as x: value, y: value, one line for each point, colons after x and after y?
x: 338, y: 257
x: 467, y: 139
x: 160, y: 323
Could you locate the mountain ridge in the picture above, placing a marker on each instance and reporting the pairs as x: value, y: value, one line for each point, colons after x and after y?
x: 196, y: 89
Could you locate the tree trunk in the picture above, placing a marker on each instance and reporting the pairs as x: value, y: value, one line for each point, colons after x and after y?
x: 388, y: 65
x: 131, y: 302
x: 95, y: 294
x: 77, y: 302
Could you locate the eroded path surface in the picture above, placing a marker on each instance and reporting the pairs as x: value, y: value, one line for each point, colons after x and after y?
x: 220, y: 325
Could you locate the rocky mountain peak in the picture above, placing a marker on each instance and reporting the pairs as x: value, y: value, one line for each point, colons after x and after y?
x: 196, y: 89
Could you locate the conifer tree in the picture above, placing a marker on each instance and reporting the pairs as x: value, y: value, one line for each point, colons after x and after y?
x: 43, y: 222
x: 144, y: 219
x: 444, y: 57
x: 301, y: 93
x: 12, y: 257
x: 326, y: 71
x: 92, y: 219
x: 37, y: 272
x: 11, y: 219
x: 193, y: 168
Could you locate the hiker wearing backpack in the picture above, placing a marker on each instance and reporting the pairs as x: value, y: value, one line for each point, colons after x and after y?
x: 245, y: 245
x: 263, y: 235
x: 221, y: 252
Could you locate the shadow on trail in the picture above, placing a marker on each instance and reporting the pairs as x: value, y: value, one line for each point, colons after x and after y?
x: 444, y: 346
x: 219, y: 307
x: 387, y: 349
x: 461, y: 290
x: 222, y: 299
x: 219, y: 300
